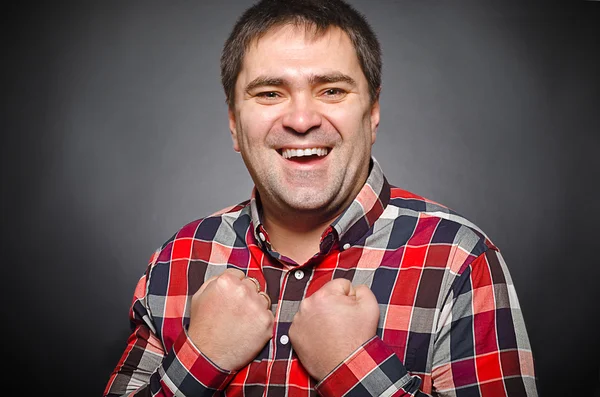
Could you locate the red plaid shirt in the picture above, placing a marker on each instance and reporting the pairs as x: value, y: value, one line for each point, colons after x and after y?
x: 449, y: 324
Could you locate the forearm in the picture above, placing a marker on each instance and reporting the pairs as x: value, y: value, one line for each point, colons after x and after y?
x: 481, y: 345
x: 138, y: 365
x: 146, y: 371
x: 148, y: 367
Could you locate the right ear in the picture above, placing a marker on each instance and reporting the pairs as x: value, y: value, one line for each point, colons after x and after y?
x: 233, y: 129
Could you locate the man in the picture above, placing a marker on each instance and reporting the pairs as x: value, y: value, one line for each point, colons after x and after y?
x: 328, y: 280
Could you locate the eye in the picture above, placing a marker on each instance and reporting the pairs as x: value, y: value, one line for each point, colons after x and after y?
x: 268, y: 95
x: 334, y: 93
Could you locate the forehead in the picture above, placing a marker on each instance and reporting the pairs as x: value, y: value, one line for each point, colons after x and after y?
x: 297, y: 50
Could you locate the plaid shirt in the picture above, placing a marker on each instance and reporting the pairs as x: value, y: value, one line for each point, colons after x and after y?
x: 449, y: 324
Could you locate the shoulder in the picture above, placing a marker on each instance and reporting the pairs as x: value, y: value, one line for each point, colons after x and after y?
x: 438, y: 227
x: 223, y: 227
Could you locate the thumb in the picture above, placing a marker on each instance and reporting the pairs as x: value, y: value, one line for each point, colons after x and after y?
x: 364, y: 294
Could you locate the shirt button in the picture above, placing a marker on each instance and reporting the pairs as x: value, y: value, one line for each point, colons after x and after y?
x: 298, y: 274
x: 262, y: 236
x: 346, y: 246
x: 284, y: 339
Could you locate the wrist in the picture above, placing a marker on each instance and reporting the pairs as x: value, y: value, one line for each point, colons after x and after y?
x: 323, y: 367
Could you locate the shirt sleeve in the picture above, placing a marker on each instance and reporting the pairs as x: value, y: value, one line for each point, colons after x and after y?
x: 146, y: 369
x: 372, y: 370
x: 481, y: 346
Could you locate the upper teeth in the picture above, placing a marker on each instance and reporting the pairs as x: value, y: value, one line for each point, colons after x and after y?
x: 288, y: 153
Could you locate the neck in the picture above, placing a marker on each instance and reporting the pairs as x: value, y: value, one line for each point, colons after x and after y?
x: 295, y: 235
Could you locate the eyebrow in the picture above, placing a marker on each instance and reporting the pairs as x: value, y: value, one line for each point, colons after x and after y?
x: 263, y: 81
x: 331, y: 78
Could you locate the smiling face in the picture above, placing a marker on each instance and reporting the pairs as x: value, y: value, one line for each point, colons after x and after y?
x: 304, y: 122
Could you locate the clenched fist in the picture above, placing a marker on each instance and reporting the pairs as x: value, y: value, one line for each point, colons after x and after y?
x: 331, y: 324
x: 230, y: 321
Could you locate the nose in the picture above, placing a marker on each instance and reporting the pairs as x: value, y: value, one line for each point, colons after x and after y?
x: 302, y: 115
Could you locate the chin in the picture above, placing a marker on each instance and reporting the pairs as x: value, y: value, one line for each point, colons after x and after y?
x: 308, y: 201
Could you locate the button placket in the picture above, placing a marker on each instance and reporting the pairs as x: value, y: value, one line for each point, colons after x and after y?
x: 294, y: 284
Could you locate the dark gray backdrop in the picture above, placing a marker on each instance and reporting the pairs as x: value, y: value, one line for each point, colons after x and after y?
x: 114, y: 135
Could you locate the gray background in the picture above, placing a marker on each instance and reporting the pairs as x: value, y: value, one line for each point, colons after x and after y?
x: 115, y: 134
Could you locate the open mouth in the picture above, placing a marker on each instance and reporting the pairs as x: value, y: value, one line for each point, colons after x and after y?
x: 301, y: 154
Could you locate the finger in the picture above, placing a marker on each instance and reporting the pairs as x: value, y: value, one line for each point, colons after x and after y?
x: 364, y: 293
x: 263, y: 294
x: 256, y: 282
x: 255, y: 285
x: 352, y: 291
x: 203, y: 286
x: 240, y: 275
x: 338, y: 286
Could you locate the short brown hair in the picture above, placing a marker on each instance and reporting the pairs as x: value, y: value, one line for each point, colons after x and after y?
x: 316, y: 16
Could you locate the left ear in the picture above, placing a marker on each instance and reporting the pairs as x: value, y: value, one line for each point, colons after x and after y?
x: 374, y: 118
x: 233, y: 129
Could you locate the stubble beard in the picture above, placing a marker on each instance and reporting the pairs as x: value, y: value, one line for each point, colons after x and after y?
x: 304, y: 192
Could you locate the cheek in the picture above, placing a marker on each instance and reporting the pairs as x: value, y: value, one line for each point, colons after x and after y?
x: 352, y: 126
x: 256, y: 124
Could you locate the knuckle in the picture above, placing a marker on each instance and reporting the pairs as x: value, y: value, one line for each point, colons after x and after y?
x: 342, y: 281
x: 222, y: 282
x: 222, y: 278
x: 227, y: 279
x: 244, y: 285
x: 237, y: 273
x: 226, y: 276
x: 336, y: 283
x: 317, y: 298
x: 240, y: 291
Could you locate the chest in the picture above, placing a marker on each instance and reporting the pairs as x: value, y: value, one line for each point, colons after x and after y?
x: 407, y: 287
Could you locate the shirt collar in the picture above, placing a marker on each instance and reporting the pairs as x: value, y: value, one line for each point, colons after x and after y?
x: 352, y: 224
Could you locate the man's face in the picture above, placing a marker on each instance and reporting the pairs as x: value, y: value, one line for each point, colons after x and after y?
x: 303, y: 120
